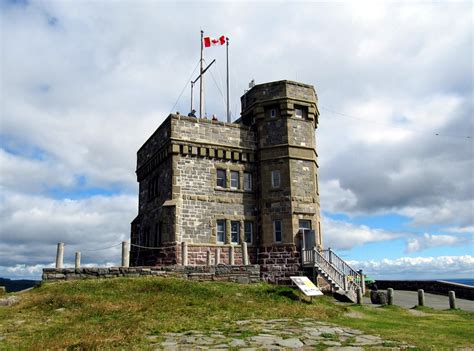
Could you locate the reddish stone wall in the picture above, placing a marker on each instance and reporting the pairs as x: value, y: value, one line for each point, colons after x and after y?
x: 279, y: 263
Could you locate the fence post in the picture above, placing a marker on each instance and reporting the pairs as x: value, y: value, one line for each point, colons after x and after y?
x: 125, y: 254
x: 389, y: 296
x: 245, y: 254
x: 217, y: 259
x: 359, y: 296
x: 78, y: 260
x: 345, y: 282
x: 362, y: 281
x: 208, y: 258
x: 330, y: 255
x: 60, y: 256
x: 421, y: 297
x: 231, y: 255
x: 184, y: 253
x: 452, y: 300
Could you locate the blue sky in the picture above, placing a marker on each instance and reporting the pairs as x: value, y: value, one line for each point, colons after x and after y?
x: 84, y: 84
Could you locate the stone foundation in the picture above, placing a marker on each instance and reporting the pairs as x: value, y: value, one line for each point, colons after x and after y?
x: 237, y: 274
x: 279, y: 263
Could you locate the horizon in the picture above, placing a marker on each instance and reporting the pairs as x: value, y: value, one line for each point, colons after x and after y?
x: 84, y: 85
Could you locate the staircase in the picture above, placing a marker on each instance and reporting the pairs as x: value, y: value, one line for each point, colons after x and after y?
x: 342, y: 277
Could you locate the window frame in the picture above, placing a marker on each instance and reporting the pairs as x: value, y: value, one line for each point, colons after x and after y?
x: 218, y: 222
x: 302, y: 112
x: 250, y: 223
x: 248, y: 186
x: 232, y: 232
x: 273, y: 113
x: 234, y: 173
x: 275, y: 231
x: 224, y: 179
x: 274, y: 183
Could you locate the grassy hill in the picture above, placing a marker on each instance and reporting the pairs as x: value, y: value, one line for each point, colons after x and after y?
x: 123, y: 312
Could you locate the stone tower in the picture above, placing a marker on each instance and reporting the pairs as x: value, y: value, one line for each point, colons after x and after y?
x: 214, y: 185
x: 285, y: 115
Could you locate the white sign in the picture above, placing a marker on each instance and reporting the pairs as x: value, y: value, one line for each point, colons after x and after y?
x: 306, y: 286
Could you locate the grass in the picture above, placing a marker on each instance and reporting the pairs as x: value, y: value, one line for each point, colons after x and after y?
x: 120, y: 313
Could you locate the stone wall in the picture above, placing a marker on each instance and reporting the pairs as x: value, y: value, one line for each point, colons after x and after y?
x: 278, y: 263
x: 431, y: 286
x: 237, y: 274
x: 206, y: 131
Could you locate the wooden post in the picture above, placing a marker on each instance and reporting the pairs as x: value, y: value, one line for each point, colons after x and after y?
x: 421, y: 297
x: 345, y: 282
x: 60, y: 256
x: 245, y: 254
x: 125, y: 254
x: 231, y: 255
x: 330, y: 255
x: 208, y: 258
x: 359, y: 296
x: 452, y: 300
x: 78, y: 260
x: 184, y: 253
x: 389, y: 296
x: 217, y: 258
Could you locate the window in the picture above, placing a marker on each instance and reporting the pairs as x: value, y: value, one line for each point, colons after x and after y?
x: 248, y: 232
x: 221, y: 178
x: 247, y: 181
x: 275, y: 179
x: 277, y: 231
x: 221, y: 231
x: 234, y: 232
x: 298, y: 112
x: 273, y: 113
x: 234, y: 180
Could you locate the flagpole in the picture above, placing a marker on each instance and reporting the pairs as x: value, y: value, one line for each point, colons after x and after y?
x: 227, y: 58
x: 201, y: 81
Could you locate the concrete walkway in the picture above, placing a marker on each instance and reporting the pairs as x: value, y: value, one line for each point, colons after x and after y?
x: 409, y: 299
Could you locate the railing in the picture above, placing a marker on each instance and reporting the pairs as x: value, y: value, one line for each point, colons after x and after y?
x: 336, y: 268
x: 354, y: 277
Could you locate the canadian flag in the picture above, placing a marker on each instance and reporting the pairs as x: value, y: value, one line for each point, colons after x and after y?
x: 208, y: 41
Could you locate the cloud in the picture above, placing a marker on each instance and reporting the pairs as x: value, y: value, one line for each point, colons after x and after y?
x: 33, y: 225
x: 341, y: 235
x: 441, y: 267
x: 428, y: 241
x: 85, y: 84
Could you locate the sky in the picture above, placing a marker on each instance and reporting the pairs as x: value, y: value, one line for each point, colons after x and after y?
x: 83, y: 84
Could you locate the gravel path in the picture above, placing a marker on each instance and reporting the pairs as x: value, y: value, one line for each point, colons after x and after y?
x: 278, y: 334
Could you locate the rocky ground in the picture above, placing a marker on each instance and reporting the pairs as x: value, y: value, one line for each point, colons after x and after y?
x: 279, y: 334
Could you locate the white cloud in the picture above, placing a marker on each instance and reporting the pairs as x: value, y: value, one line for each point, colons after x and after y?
x: 419, y: 267
x: 341, y: 235
x: 428, y: 241
x: 86, y: 89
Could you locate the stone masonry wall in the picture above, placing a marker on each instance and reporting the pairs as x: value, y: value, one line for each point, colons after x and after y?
x: 208, y: 131
x: 278, y: 263
x: 203, y: 202
x: 237, y: 274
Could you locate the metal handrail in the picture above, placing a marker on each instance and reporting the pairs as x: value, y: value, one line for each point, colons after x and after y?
x: 337, y: 269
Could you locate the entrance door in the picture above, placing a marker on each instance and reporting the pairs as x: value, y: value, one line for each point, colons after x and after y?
x: 309, y: 240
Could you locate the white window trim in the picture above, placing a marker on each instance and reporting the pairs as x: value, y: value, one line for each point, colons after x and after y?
x: 238, y: 179
x: 274, y: 231
x: 274, y: 183
x: 217, y: 177
x: 238, y: 232
x: 217, y: 231
x: 302, y: 113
